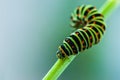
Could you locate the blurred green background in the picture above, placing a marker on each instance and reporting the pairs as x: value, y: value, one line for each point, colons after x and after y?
x: 32, y: 30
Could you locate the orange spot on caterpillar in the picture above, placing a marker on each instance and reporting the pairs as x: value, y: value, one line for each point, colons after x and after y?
x: 90, y: 37
x: 68, y: 41
x: 103, y: 27
x: 82, y: 41
x: 97, y: 33
x: 72, y: 46
x: 88, y: 10
x: 78, y: 14
x: 91, y: 27
x: 94, y: 22
x: 93, y: 16
x: 84, y: 46
x: 84, y: 16
x: 90, y: 44
x: 77, y: 33
x: 101, y: 15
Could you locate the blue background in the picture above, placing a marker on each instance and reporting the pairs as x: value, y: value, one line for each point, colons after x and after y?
x: 32, y: 30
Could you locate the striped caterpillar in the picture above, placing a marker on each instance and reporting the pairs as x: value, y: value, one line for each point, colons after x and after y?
x: 90, y: 27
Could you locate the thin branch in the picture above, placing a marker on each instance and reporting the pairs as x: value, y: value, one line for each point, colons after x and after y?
x: 58, y: 68
x: 109, y: 7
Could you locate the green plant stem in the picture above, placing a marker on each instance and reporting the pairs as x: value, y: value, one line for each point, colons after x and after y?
x: 61, y: 64
x: 58, y: 68
x: 109, y: 7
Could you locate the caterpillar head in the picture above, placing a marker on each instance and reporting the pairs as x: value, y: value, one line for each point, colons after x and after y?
x: 60, y: 55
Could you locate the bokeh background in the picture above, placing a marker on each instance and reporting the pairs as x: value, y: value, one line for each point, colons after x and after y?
x: 32, y: 30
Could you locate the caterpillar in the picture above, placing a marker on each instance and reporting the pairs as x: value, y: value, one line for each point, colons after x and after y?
x: 90, y: 27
